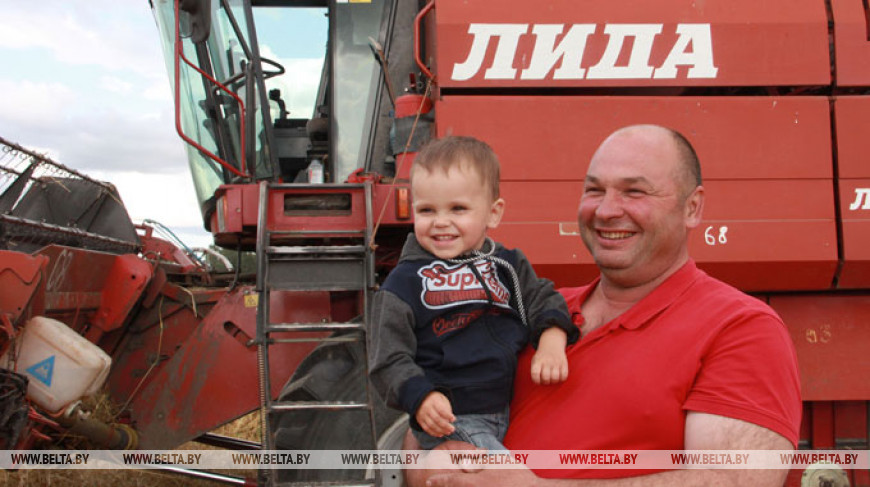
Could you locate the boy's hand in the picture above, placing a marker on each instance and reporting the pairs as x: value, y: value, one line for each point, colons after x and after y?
x: 435, y: 415
x: 550, y: 364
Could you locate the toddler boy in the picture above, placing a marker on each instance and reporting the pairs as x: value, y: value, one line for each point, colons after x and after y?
x: 451, y: 317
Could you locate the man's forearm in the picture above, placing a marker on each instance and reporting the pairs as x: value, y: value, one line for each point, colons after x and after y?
x: 683, y: 478
x: 703, y: 432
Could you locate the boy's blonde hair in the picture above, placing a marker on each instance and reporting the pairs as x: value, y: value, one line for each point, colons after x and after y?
x: 455, y: 150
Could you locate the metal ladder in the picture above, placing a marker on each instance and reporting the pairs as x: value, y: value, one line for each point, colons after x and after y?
x: 321, y: 267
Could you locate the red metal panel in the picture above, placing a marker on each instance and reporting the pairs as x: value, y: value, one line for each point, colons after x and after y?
x: 238, y: 209
x: 757, y: 235
x: 855, y: 214
x: 852, y: 117
x: 830, y: 334
x: 768, y: 235
x: 569, y: 43
x: 230, y: 214
x: 786, y: 199
x: 770, y: 217
x: 851, y: 43
x: 209, y: 376
x: 540, y: 202
x: 235, y: 214
x: 768, y: 262
x: 20, y: 278
x: 822, y: 422
x: 164, y: 325
x: 92, y: 291
x: 384, y: 208
x: 125, y: 281
x: 850, y: 421
x: 841, y: 424
x: 553, y: 138
x: 318, y: 220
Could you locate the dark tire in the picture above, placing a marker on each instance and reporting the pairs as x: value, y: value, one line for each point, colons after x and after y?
x: 332, y: 372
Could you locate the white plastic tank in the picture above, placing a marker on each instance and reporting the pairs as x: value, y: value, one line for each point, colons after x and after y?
x: 315, y: 172
x: 61, y: 365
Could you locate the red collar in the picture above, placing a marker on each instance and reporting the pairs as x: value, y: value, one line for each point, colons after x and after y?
x: 644, y: 310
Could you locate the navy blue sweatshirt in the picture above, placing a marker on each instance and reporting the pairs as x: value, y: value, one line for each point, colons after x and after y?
x: 454, y: 328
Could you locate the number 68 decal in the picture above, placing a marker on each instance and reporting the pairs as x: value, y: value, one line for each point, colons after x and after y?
x: 710, y: 238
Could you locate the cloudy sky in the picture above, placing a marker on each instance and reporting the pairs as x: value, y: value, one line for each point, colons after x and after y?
x: 85, y: 81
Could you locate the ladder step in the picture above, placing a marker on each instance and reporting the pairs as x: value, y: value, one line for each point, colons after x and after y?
x: 329, y: 272
x: 281, y: 406
x: 320, y: 187
x: 317, y: 249
x: 278, y: 327
x: 338, y: 339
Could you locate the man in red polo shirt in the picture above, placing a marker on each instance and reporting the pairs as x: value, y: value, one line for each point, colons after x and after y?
x: 669, y: 358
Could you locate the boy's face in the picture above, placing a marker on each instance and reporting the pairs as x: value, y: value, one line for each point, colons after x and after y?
x: 452, y: 210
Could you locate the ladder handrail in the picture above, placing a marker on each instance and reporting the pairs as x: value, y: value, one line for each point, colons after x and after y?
x: 263, y: 316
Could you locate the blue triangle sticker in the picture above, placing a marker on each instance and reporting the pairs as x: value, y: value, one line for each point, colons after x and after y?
x: 43, y: 371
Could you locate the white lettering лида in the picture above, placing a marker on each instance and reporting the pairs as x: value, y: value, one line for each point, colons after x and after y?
x: 693, y: 48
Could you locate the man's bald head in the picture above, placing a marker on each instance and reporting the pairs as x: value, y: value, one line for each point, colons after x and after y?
x: 688, y: 167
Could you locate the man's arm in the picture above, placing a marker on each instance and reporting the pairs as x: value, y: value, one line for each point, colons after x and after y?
x: 703, y: 432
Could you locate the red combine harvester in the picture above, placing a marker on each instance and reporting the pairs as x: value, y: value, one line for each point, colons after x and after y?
x: 775, y: 97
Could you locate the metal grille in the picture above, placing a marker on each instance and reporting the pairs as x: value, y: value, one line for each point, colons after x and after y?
x: 44, y: 202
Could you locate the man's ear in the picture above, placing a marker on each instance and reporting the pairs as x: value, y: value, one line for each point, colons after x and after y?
x: 496, y: 211
x: 694, y: 207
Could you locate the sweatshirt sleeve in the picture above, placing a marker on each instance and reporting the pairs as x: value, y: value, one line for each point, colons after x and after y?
x: 392, y: 348
x: 545, y: 307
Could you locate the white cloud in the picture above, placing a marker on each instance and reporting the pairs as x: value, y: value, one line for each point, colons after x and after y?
x: 92, y: 130
x: 115, y: 85
x: 84, y: 33
x: 107, y: 140
x: 29, y: 102
x: 159, y: 91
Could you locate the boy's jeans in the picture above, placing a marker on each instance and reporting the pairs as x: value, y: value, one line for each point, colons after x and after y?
x: 482, y: 430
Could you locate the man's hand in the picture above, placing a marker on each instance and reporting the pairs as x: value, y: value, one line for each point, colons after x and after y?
x: 550, y: 365
x: 435, y: 415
